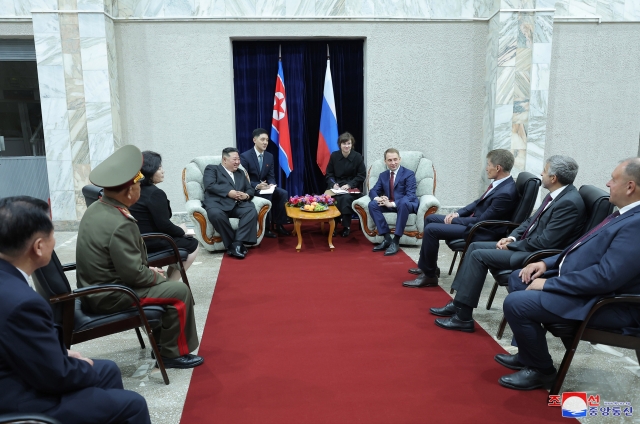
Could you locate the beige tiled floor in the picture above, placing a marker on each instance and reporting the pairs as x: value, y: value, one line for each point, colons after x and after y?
x: 611, y: 372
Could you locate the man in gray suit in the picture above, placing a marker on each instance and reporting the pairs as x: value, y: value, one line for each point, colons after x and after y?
x: 228, y: 194
x: 557, y: 223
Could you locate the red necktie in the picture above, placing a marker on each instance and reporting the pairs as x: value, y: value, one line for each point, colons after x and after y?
x: 485, y: 193
x: 544, y: 204
x: 391, y: 181
x: 593, y: 230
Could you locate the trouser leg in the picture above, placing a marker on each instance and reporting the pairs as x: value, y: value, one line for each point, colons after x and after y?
x: 177, y: 334
x: 403, y: 209
x: 280, y: 197
x: 376, y: 214
x: 248, y: 221
x: 220, y: 221
x: 435, y: 230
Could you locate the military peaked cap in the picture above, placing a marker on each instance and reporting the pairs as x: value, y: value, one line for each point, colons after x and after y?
x: 119, y: 170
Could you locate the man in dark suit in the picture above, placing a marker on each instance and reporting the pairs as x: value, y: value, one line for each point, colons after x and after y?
x: 37, y: 373
x: 557, y: 223
x: 259, y: 165
x: 228, y: 194
x: 497, y: 202
x: 395, y: 191
x: 563, y: 288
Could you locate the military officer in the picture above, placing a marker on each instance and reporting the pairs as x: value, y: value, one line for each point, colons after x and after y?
x: 111, y: 250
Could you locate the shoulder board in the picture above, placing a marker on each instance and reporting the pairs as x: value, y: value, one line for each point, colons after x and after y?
x: 126, y: 213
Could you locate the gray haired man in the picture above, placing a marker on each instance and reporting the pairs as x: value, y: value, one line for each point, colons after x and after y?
x: 557, y: 223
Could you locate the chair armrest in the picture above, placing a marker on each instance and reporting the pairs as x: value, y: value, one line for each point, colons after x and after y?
x: 68, y: 267
x: 540, y: 255
x: 100, y: 288
x: 489, y: 222
x: 426, y: 203
x: 259, y: 202
x: 164, y: 237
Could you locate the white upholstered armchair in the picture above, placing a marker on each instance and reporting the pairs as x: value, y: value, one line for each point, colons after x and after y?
x: 192, y: 185
x: 425, y: 190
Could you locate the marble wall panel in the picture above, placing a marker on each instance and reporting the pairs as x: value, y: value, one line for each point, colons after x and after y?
x: 562, y: 8
x: 179, y: 8
x: 505, y: 85
x: 523, y: 60
x: 80, y: 152
x: 518, y: 137
x: 91, y: 25
x: 96, y: 86
x: 94, y: 5
x: 582, y: 8
x: 99, y: 118
x: 60, y: 175
x: 48, y: 49
x: 363, y: 8
x: 521, y: 111
x: 57, y: 145
x: 538, y: 103
x: 54, y: 113
x: 63, y: 205
x: 308, y: 7
x: 126, y: 8
x: 526, y: 28
x: 51, y: 82
x: 610, y: 10
x: 149, y: 8
x: 537, y: 131
x: 508, y: 41
x: 271, y: 8
x: 241, y: 7
x: 330, y: 7
x: 545, y: 4
x: 94, y: 53
x: 544, y: 27
x: 210, y: 8
x: 44, y: 4
x: 70, y: 45
x: 534, y: 160
x: 541, y: 53
x: 468, y: 9
x: 632, y: 10
x: 78, y: 124
x: 101, y: 146
x: 484, y: 8
x: 522, y: 87
x: 7, y: 8
x: 540, y: 76
x: 46, y: 24
x: 67, y: 4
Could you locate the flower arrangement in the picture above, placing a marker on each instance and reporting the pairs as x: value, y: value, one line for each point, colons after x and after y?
x: 311, y: 203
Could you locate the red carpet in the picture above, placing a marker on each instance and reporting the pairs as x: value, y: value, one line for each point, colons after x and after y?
x: 321, y: 337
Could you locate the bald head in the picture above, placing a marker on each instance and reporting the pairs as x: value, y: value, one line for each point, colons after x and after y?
x: 624, y: 186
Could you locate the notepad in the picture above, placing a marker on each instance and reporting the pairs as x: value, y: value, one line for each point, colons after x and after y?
x: 341, y: 191
x: 269, y: 190
x: 190, y: 232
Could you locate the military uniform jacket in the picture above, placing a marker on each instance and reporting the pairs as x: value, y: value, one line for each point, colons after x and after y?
x: 110, y: 250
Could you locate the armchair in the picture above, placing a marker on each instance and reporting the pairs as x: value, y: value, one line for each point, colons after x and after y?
x: 425, y: 191
x: 192, y: 185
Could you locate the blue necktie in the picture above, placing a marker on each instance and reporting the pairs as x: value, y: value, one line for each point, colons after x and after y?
x: 260, y: 161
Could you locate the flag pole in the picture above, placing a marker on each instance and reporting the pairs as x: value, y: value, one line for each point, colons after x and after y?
x: 280, y: 52
x: 328, y: 56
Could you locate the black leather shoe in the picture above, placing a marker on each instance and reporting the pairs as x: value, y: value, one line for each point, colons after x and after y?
x: 243, y: 249
x: 447, y: 310
x: 527, y: 379
x: 422, y: 281
x: 236, y: 251
x: 282, y: 231
x: 269, y: 234
x: 455, y: 323
x: 382, y: 246
x: 186, y: 361
x: 393, y: 248
x: 509, y: 361
x: 346, y: 232
x: 418, y: 271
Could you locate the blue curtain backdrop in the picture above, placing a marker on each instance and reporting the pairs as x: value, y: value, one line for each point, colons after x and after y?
x: 255, y: 65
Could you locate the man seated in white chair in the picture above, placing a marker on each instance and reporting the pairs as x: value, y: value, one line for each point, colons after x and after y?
x: 395, y: 191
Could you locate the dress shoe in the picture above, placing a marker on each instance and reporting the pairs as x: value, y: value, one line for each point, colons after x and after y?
x: 270, y: 234
x: 282, y: 231
x: 382, y: 246
x: 422, y: 281
x: 455, y: 323
x: 527, y: 379
x: 346, y: 232
x: 393, y: 248
x: 243, y: 249
x: 509, y: 361
x: 186, y: 361
x: 447, y: 310
x: 418, y: 271
x: 236, y: 251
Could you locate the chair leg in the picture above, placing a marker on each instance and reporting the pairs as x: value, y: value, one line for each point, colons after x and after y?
x: 492, y: 295
x: 503, y: 325
x: 142, y: 346
x: 156, y: 353
x: 638, y: 355
x: 453, y: 262
x: 564, y: 366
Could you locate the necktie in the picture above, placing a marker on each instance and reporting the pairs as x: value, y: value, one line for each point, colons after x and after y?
x: 260, y: 160
x: 391, y: 182
x: 544, y: 204
x: 485, y: 193
x: 584, y: 237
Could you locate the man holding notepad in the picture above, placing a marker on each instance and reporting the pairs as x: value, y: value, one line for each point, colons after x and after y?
x: 345, y: 173
x: 259, y: 165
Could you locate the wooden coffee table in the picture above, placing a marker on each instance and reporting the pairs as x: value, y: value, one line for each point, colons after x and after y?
x: 299, y: 215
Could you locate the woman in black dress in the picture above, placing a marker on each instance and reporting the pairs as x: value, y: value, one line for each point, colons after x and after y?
x: 153, y: 213
x: 346, y: 170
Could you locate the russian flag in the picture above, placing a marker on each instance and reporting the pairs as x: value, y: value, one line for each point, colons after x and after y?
x: 280, y: 124
x: 328, y: 137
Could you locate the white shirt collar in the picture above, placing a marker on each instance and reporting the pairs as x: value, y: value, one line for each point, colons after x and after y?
x: 257, y: 152
x: 497, y: 182
x: 230, y: 174
x: 629, y: 207
x: 24, y: 274
x: 557, y: 192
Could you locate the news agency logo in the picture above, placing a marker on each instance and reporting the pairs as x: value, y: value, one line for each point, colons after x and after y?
x: 581, y: 405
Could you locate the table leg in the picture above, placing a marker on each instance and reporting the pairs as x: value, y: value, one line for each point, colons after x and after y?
x: 296, y: 226
x: 332, y: 226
